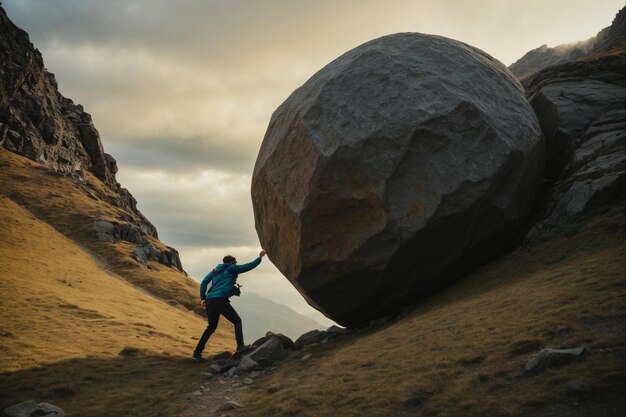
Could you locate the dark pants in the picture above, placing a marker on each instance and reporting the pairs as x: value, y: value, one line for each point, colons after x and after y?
x: 214, y: 308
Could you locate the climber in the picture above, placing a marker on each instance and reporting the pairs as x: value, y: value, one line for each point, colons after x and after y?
x: 216, y: 302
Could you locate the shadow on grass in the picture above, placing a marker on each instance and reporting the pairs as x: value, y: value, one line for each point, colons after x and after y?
x: 130, y: 385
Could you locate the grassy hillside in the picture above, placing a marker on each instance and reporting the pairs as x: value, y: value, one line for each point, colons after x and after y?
x: 80, y: 326
x: 461, y: 353
x: 84, y: 327
x: 72, y: 208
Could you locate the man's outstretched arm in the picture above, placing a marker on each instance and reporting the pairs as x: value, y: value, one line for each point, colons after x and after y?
x: 239, y: 269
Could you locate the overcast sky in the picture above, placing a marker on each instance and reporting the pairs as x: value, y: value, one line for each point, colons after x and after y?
x: 182, y: 91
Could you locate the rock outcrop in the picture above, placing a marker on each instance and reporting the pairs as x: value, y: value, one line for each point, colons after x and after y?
x: 548, y: 358
x: 38, y: 122
x: 32, y: 408
x: 581, y: 107
x: 544, y: 56
x: 399, y: 165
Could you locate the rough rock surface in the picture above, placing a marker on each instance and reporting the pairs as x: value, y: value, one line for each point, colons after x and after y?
x: 548, y: 358
x: 32, y: 408
x: 269, y: 352
x: 581, y: 107
x: 399, y: 165
x: 36, y: 121
x: 148, y: 252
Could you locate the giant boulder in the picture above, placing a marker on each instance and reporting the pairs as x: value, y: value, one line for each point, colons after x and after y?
x: 399, y: 165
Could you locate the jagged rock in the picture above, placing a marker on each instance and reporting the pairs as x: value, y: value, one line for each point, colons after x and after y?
x: 248, y: 364
x: 548, y: 358
x: 232, y: 362
x: 288, y: 344
x: 566, y: 109
x: 36, y: 121
x: 230, y: 405
x: 260, y: 341
x: 106, y: 231
x: 581, y: 108
x: 141, y: 257
x: 171, y: 258
x: 411, y: 159
x: 269, y: 352
x: 146, y: 253
x: 543, y: 57
x: 130, y: 233
x: 314, y: 336
x: 32, y: 408
x: 111, y: 163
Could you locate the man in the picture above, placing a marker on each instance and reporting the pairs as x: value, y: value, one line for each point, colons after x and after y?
x: 216, y: 301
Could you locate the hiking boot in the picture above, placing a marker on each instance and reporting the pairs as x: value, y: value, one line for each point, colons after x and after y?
x: 198, y: 359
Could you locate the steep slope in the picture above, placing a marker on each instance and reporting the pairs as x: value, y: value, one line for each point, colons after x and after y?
x: 72, y: 186
x: 75, y: 334
x: 97, y: 313
x: 74, y: 207
x: 462, y: 352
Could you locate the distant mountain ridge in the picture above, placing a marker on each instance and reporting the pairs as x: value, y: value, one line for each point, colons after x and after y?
x: 544, y: 56
x: 261, y: 315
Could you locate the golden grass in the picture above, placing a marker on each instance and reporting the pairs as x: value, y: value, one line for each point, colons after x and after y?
x: 67, y: 313
x: 71, y: 305
x: 72, y: 208
x: 462, y: 352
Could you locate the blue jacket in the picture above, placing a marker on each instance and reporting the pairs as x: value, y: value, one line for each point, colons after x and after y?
x: 224, y: 279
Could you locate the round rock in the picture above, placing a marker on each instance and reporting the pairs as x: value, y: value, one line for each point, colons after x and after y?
x: 395, y: 168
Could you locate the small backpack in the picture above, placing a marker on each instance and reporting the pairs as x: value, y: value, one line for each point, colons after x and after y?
x: 236, y: 290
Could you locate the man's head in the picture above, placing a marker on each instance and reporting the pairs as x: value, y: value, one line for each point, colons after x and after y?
x: 228, y: 259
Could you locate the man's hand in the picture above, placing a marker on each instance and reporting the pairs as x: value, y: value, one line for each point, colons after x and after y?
x: 262, y: 253
x: 203, y: 303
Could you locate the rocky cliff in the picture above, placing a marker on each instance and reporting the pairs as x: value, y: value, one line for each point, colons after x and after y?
x: 37, y: 122
x: 544, y: 56
x: 581, y: 106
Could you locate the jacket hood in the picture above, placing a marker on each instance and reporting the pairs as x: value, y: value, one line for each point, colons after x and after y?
x: 222, y: 267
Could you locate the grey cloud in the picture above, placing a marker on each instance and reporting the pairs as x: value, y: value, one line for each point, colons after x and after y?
x: 186, y: 155
x: 181, y: 221
x: 194, y: 30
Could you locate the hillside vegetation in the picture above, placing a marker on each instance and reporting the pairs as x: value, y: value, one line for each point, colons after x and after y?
x: 83, y: 326
x: 462, y: 352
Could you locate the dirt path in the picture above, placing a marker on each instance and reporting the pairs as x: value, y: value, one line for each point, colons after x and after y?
x: 212, y: 396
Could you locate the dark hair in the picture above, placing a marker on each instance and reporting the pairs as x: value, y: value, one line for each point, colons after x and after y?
x: 229, y: 259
